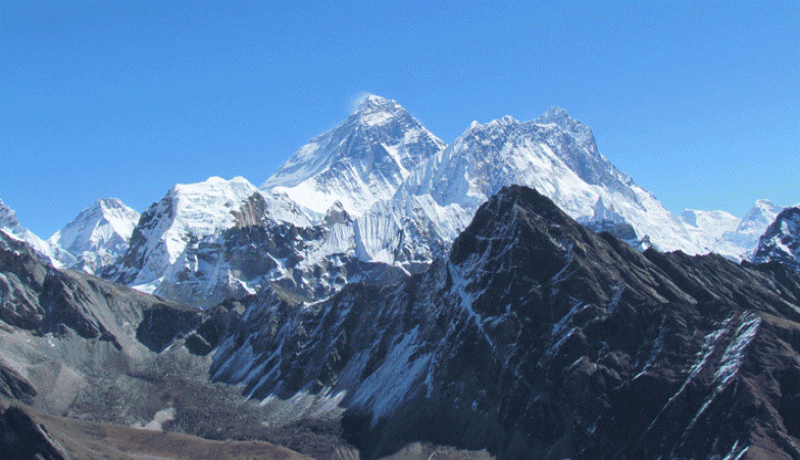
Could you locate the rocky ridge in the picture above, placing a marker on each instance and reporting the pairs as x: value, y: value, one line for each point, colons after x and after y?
x: 533, y: 337
x: 77, y: 348
x: 537, y: 338
x: 10, y: 226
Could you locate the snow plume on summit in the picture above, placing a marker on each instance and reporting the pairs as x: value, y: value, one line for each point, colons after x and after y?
x: 98, y: 235
x: 363, y: 160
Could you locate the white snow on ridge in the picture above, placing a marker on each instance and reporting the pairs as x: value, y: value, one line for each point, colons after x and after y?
x: 381, y: 188
x: 753, y: 225
x: 188, y: 211
x: 711, y: 223
x: 203, y: 209
x: 576, y: 177
x: 727, y: 235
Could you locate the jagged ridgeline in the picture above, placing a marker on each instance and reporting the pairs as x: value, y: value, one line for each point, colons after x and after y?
x: 375, y: 199
x: 380, y: 197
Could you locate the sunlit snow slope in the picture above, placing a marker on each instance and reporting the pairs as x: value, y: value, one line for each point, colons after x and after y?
x: 98, y: 235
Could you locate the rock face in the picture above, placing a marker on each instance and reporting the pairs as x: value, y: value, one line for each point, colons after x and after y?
x: 781, y: 241
x: 532, y: 337
x: 78, y: 346
x: 97, y: 236
x: 62, y: 331
x: 202, y: 254
x: 538, y: 338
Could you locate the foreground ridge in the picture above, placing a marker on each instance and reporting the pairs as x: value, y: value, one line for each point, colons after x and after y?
x: 537, y: 338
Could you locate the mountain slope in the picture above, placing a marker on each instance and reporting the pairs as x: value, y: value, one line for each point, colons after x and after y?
x: 744, y: 240
x: 708, y: 227
x: 60, y: 329
x: 98, y: 235
x: 379, y: 198
x: 361, y: 161
x: 724, y: 234
x: 537, y: 338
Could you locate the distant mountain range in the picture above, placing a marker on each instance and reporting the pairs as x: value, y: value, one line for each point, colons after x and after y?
x: 509, y: 295
x: 376, y: 198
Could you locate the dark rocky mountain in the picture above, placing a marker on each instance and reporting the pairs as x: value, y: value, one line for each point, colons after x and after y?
x: 781, y: 241
x: 538, y: 338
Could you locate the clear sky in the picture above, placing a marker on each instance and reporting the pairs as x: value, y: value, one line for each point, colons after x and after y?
x: 698, y: 101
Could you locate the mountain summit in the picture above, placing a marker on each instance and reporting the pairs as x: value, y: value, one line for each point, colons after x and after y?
x: 558, y: 156
x: 363, y: 160
x: 781, y: 241
x: 98, y: 235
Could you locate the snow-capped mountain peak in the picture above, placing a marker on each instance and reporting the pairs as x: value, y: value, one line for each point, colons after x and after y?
x: 555, y: 115
x: 363, y: 160
x: 726, y: 234
x: 759, y: 217
x: 98, y: 235
x: 739, y: 243
x: 560, y: 118
x: 188, y: 211
x: 558, y: 156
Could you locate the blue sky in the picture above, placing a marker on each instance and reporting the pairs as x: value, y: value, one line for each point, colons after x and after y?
x: 698, y: 101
